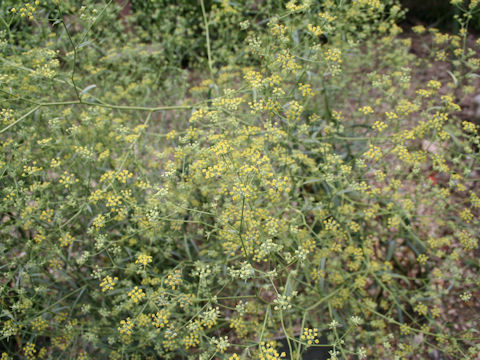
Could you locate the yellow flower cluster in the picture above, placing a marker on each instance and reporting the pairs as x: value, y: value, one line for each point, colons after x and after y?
x: 379, y: 126
x: 29, y: 351
x: 66, y: 240
x: 99, y: 221
x: 108, y: 283
x: 419, y: 29
x: 421, y: 309
x: 113, y: 201
x: 466, y: 215
x: 270, y: 105
x: 67, y: 179
x: 39, y: 324
x: 333, y: 55
x: 467, y: 240
x: 31, y: 170
x: 192, y: 338
x: 160, y: 319
x: 310, y: 336
x: 7, y: 116
x: 422, y: 259
x: 267, y: 351
x: 375, y: 4
x: 315, y: 30
x: 27, y: 10
x: 174, y: 279
x: 240, y: 326
x: 305, y: 89
x: 373, y: 152
x: 143, y: 259
x: 469, y: 127
x: 366, y: 110
x: 40, y: 236
x: 287, y: 62
x: 136, y: 294
x: 126, y: 327
x: 293, y: 6
x: 294, y: 111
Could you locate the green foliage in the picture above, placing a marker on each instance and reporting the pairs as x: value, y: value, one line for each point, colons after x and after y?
x: 196, y: 180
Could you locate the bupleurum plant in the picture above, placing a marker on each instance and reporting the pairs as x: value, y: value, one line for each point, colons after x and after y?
x: 250, y: 181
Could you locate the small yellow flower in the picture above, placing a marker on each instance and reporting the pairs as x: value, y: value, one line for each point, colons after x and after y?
x: 136, y: 294
x: 466, y: 215
x: 366, y: 110
x: 419, y: 29
x: 126, y: 327
x: 143, y: 259
x: 66, y: 240
x: 422, y: 259
x: 379, y: 126
x: 108, y: 283
x: 374, y: 152
x: 310, y: 336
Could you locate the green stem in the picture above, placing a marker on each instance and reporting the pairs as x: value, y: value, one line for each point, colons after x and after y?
x: 207, y: 35
x: 74, y: 61
x: 20, y: 119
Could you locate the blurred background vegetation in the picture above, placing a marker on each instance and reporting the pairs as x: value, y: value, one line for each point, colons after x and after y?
x: 437, y: 13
